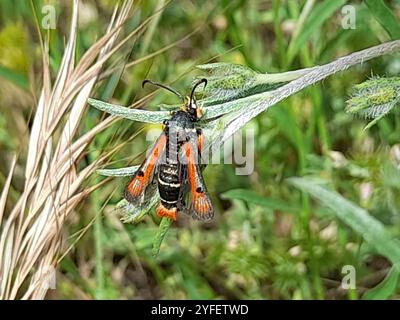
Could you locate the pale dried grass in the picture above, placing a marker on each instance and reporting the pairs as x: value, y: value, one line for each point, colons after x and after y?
x: 31, y: 233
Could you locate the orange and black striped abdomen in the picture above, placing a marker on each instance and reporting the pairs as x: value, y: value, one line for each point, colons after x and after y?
x: 169, y: 172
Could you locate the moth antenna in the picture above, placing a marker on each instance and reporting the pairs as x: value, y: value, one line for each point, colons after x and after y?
x: 196, y: 85
x: 164, y: 87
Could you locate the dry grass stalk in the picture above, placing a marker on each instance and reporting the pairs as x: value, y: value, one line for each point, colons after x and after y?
x: 31, y: 234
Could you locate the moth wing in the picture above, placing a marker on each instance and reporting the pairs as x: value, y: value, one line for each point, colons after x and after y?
x: 143, y: 186
x: 183, y: 198
x: 199, y: 204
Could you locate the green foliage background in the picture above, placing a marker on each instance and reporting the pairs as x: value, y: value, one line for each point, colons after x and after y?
x: 269, y: 239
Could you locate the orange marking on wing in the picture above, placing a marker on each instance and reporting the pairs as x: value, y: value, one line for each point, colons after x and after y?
x: 186, y: 148
x: 167, y: 213
x: 192, y: 175
x: 135, y: 187
x: 140, y: 181
x: 201, y: 203
x: 191, y: 166
x: 153, y: 158
x: 147, y: 172
x: 160, y: 146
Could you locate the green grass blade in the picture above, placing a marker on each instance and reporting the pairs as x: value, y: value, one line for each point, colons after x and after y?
x: 15, y: 77
x: 372, y: 230
x: 386, y: 288
x: 319, y: 15
x: 385, y: 17
x: 165, y: 224
x: 254, y: 198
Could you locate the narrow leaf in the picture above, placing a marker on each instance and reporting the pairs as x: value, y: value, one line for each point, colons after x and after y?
x: 385, y: 17
x: 319, y: 15
x: 165, y: 224
x: 135, y: 213
x: 15, y: 77
x: 254, y: 198
x: 372, y: 230
x: 120, y: 172
x: 131, y: 114
x: 386, y: 288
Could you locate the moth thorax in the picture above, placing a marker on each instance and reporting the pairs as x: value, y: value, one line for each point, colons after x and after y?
x: 180, y: 133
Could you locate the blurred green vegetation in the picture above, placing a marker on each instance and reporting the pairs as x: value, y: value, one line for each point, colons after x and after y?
x: 269, y: 240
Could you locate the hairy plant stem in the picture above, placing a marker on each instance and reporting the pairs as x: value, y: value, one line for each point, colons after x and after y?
x: 262, y: 101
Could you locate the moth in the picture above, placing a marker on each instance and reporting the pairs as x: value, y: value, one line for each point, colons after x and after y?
x: 173, y: 166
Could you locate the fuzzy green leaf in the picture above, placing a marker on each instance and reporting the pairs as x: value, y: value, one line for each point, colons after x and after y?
x: 374, y: 98
x: 134, y: 214
x: 229, y: 81
x: 131, y: 114
x: 163, y: 228
x: 120, y: 172
x: 159, y: 116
